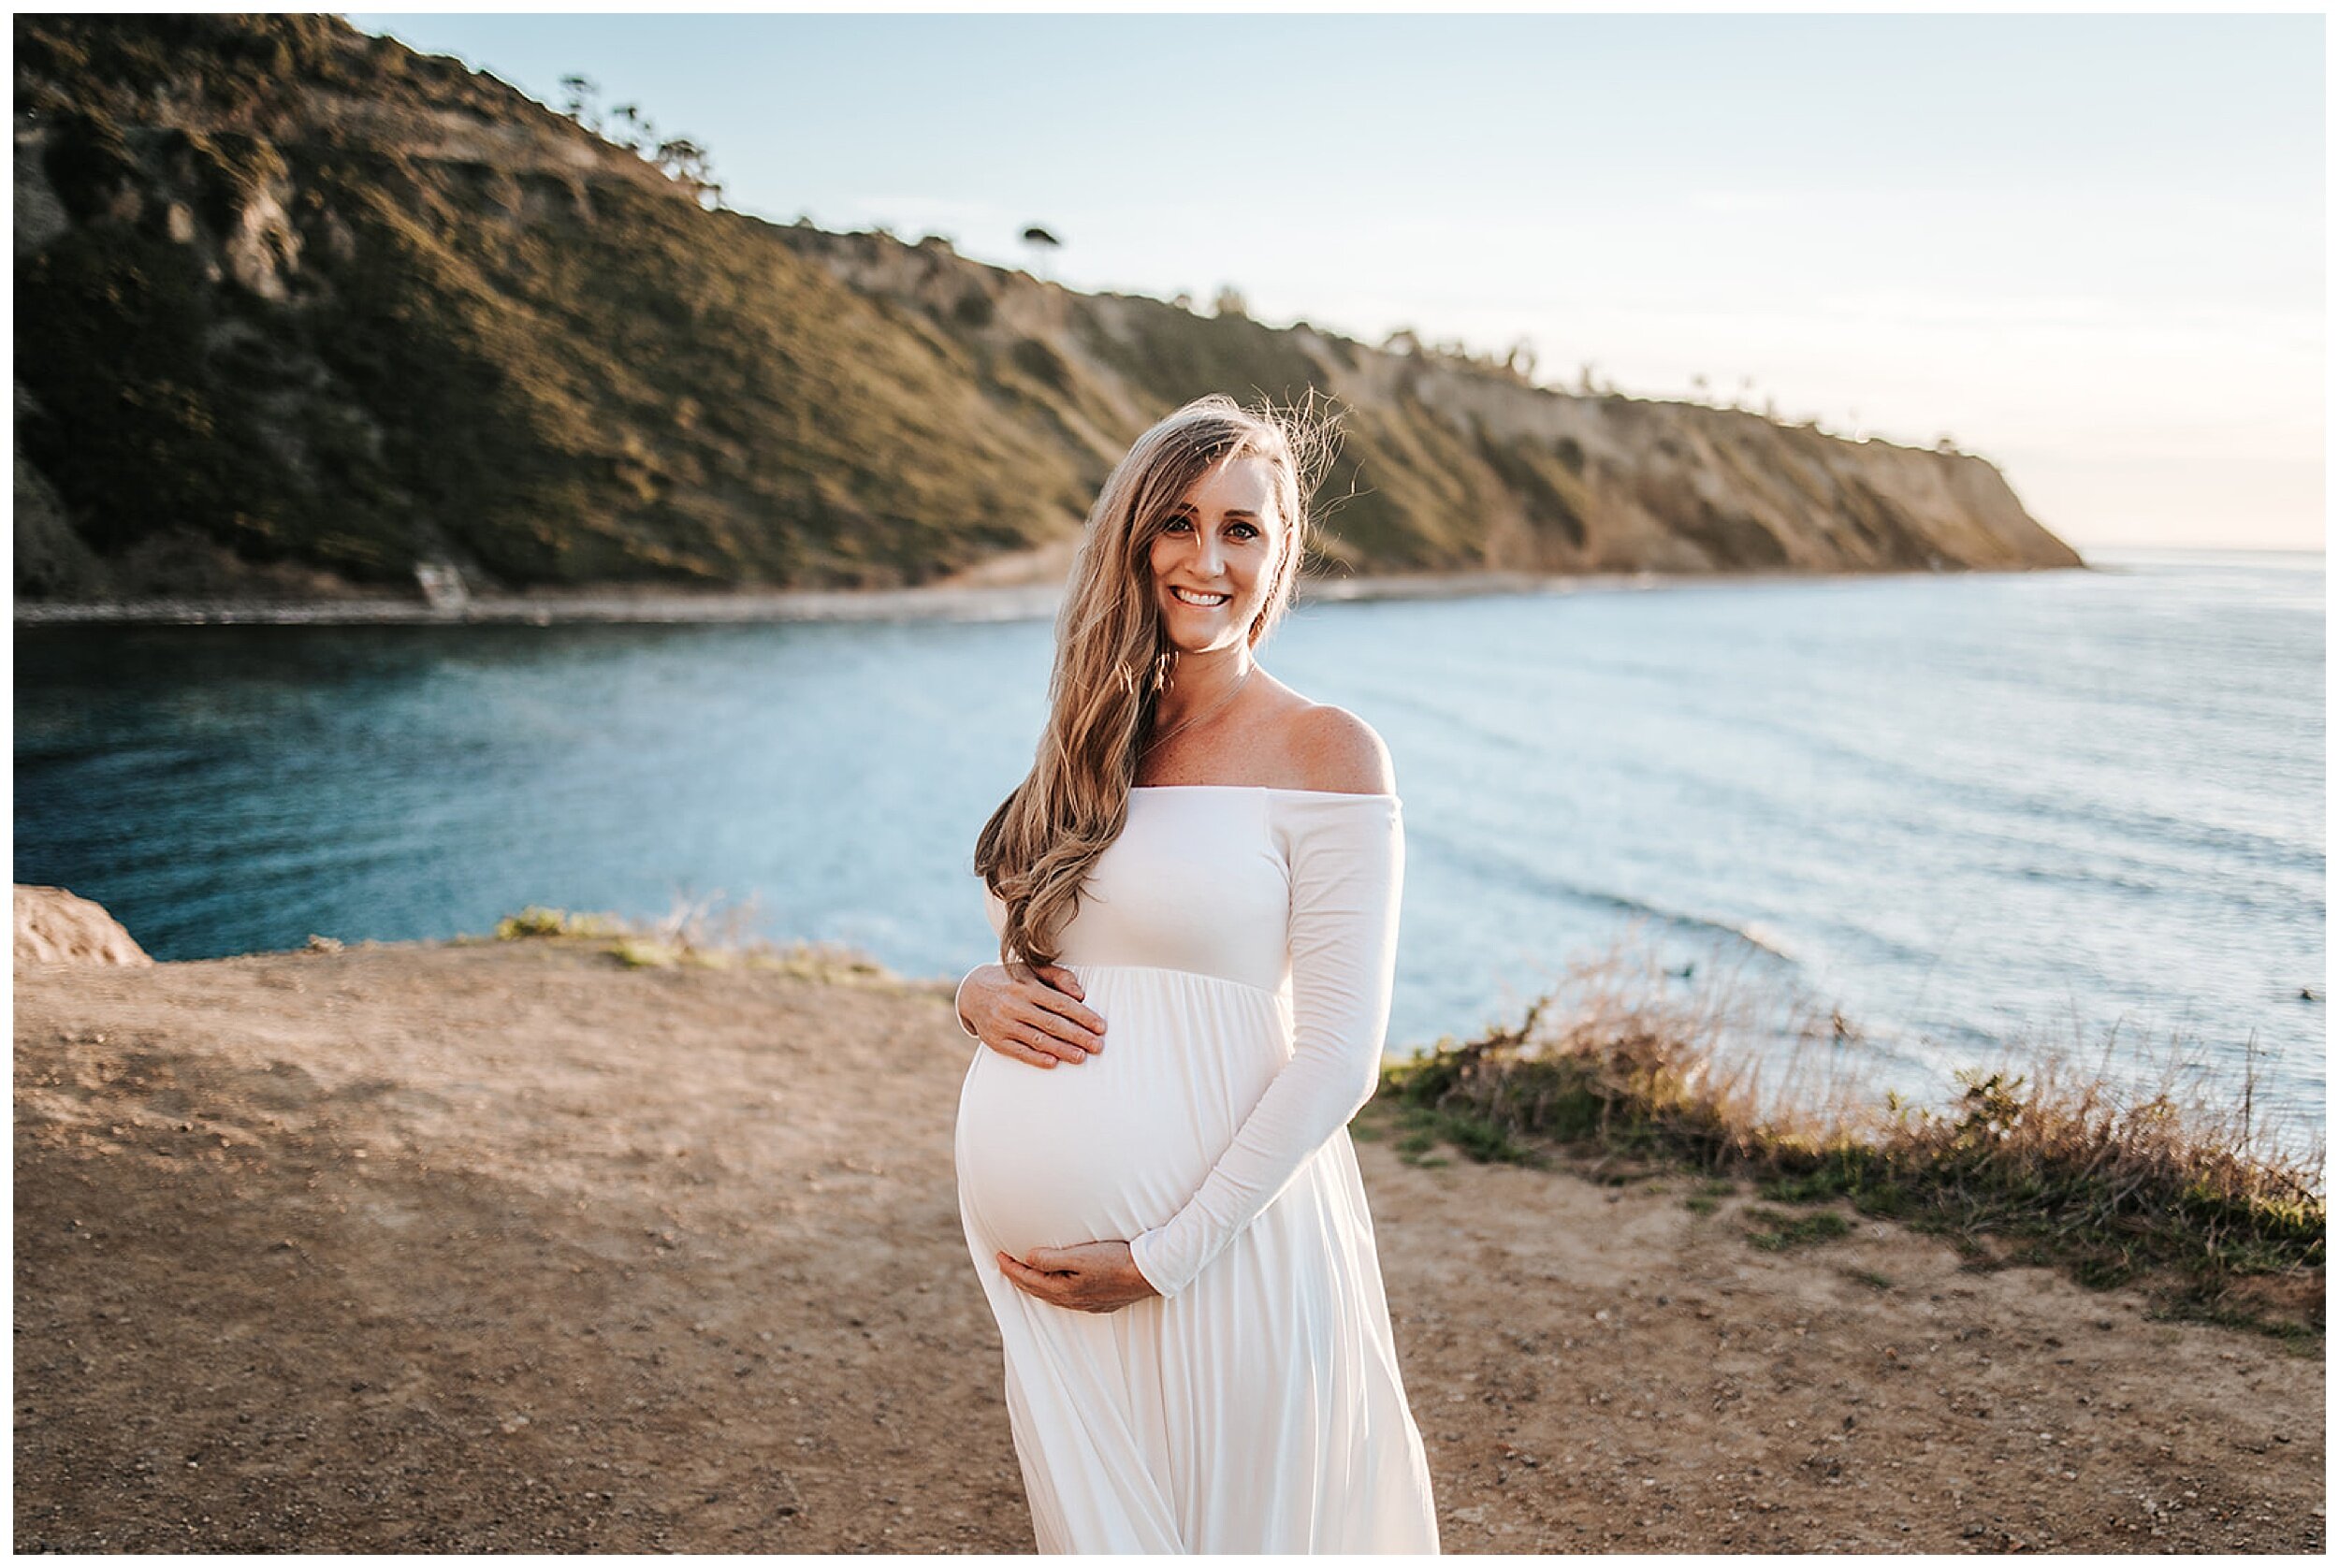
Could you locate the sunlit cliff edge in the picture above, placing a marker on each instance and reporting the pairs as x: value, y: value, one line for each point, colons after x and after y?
x: 304, y: 315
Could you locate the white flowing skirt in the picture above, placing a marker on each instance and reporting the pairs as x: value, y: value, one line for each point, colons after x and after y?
x: 1259, y: 1411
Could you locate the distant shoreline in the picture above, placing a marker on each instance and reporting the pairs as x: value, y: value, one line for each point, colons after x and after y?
x: 936, y: 601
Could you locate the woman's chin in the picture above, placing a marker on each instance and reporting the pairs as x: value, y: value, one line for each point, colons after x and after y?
x: 1203, y: 633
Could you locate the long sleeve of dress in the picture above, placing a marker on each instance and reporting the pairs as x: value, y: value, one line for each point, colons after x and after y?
x: 1347, y: 858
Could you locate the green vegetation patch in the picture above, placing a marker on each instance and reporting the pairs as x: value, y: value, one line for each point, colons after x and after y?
x: 698, y: 937
x: 1776, y: 1230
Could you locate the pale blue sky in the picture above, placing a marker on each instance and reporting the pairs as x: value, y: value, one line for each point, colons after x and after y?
x: 2090, y: 247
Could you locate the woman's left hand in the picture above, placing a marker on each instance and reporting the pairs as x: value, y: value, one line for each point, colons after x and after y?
x: 1095, y: 1276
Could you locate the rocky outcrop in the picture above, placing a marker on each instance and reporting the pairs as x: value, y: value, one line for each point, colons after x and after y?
x: 301, y: 313
x: 55, y: 927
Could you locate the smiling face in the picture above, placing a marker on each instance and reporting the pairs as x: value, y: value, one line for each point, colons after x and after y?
x: 1221, y: 543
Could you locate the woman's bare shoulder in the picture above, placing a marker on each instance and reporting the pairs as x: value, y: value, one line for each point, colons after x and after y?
x: 1339, y: 753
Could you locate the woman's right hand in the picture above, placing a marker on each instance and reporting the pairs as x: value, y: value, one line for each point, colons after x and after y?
x: 1042, y: 1020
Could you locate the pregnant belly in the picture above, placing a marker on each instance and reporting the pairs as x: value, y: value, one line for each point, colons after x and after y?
x: 1104, y: 1149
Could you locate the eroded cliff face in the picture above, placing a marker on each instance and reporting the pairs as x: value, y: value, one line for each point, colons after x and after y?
x: 1456, y: 466
x: 1621, y: 484
x: 300, y: 312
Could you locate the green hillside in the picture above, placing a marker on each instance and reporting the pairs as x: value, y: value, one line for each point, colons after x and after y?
x: 298, y: 309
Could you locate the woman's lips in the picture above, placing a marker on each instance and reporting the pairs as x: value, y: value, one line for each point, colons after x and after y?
x: 1207, y: 602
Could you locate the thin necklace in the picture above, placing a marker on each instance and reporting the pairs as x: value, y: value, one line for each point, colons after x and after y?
x: 1185, y: 724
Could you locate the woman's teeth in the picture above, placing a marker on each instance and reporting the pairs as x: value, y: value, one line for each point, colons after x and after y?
x: 1206, y: 601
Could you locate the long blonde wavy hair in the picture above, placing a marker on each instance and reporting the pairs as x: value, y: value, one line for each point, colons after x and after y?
x: 1113, y: 655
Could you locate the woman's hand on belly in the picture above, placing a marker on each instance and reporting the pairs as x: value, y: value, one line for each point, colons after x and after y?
x: 1043, y: 1019
x: 1093, y: 1276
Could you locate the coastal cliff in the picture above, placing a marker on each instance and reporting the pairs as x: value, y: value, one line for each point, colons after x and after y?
x: 303, y: 314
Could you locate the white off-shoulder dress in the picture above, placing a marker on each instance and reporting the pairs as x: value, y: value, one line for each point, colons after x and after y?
x: 1240, y: 943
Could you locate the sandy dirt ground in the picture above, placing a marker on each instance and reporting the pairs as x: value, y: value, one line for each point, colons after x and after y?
x: 504, y: 1246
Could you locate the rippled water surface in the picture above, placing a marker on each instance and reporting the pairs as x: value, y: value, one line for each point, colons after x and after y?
x: 1962, y: 808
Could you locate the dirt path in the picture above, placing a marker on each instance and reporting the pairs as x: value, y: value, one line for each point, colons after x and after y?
x: 504, y: 1247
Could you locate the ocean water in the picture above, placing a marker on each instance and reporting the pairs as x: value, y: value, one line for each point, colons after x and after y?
x: 1970, y: 813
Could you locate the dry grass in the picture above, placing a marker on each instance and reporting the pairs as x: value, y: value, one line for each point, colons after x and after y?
x: 2182, y: 1188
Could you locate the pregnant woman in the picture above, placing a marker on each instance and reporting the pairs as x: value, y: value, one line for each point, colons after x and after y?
x: 1195, y: 893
